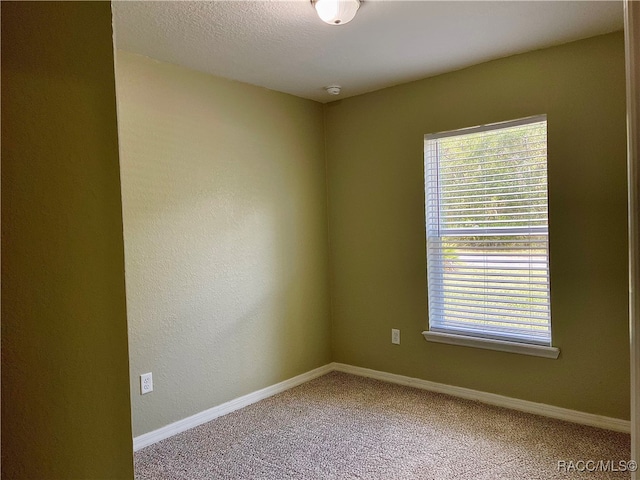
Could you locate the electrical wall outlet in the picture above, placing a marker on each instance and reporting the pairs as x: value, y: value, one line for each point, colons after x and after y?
x: 146, y: 383
x: 395, y: 336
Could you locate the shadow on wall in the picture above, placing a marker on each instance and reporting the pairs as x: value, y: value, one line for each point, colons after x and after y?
x: 225, y: 237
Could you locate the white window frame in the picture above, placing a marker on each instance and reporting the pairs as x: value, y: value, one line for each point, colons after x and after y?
x: 441, y: 328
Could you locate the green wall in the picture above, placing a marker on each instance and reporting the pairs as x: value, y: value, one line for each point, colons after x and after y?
x: 65, y: 402
x: 225, y: 233
x: 376, y: 223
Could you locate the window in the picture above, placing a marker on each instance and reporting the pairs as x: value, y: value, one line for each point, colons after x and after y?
x: 487, y: 234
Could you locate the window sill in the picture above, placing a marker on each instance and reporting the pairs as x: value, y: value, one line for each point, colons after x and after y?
x: 490, y: 344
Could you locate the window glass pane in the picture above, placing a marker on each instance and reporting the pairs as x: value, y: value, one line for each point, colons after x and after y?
x: 487, y: 232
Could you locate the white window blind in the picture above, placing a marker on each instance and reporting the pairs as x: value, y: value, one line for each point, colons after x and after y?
x: 487, y: 231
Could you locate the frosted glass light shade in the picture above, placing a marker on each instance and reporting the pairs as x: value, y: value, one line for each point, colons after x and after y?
x: 337, y: 12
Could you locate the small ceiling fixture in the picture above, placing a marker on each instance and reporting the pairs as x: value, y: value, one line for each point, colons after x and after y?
x: 333, y: 89
x: 336, y: 12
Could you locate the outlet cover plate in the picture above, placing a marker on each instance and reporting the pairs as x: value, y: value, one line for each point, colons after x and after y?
x: 146, y: 383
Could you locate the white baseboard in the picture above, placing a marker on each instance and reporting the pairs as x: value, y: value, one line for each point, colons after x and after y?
x: 205, y: 416
x: 574, y: 416
x: 559, y: 413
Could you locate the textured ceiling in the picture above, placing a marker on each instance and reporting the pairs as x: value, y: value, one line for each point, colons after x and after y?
x: 283, y: 45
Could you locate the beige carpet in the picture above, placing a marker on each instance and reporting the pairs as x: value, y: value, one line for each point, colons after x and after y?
x: 346, y: 427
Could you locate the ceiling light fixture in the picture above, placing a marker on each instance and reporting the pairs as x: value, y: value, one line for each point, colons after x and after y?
x: 336, y: 12
x: 333, y: 89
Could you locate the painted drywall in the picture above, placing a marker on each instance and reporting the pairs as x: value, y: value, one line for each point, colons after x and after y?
x: 377, y: 235
x: 225, y: 229
x: 65, y: 387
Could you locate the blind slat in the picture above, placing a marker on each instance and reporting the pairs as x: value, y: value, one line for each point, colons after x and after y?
x: 449, y: 194
x: 480, y: 180
x: 512, y: 318
x: 496, y: 296
x: 532, y: 161
x: 539, y: 167
x: 494, y: 307
x: 533, y: 197
x: 459, y: 155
